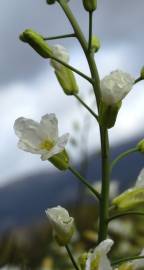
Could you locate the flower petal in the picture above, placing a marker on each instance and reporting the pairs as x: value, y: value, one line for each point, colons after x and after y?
x: 49, y: 125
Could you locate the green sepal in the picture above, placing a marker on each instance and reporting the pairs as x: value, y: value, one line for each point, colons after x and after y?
x: 82, y: 260
x: 140, y: 146
x: 108, y: 114
x: 67, y: 80
x: 130, y: 199
x: 95, y: 43
x: 90, y: 5
x: 60, y: 160
x: 37, y: 42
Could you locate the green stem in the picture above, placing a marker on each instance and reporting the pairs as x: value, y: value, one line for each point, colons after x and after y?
x: 123, y: 155
x: 71, y: 257
x: 83, y: 180
x: 104, y: 203
x: 90, y: 30
x: 59, y: 37
x: 72, y: 68
x: 127, y: 259
x: 83, y: 42
x: 86, y: 106
x: 125, y: 214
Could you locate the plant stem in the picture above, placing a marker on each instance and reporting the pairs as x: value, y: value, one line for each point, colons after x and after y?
x: 126, y: 214
x: 84, y: 45
x: 72, y: 68
x: 103, y: 131
x: 104, y: 204
x: 90, y: 30
x: 59, y: 37
x: 127, y: 259
x: 71, y: 257
x: 123, y: 155
x: 86, y: 106
x: 83, y: 180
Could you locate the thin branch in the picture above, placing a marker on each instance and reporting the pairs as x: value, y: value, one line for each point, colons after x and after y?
x: 127, y: 259
x: 72, y: 68
x: 83, y: 180
x: 126, y: 214
x: 123, y: 155
x: 72, y: 258
x: 59, y: 37
x: 86, y: 106
x: 90, y: 30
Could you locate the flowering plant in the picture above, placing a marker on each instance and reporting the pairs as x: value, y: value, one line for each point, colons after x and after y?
x: 42, y: 138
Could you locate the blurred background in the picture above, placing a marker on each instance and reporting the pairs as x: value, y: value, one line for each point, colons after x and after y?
x: 28, y: 88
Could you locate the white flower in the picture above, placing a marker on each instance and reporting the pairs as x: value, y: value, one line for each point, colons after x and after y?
x: 61, y: 53
x: 62, y: 223
x: 116, y: 86
x: 98, y: 260
x: 40, y: 138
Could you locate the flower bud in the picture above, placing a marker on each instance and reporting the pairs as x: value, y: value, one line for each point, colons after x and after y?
x: 37, y: 42
x: 142, y: 73
x: 62, y: 224
x: 115, y: 86
x: 108, y: 114
x: 60, y: 160
x: 130, y: 199
x: 64, y: 75
x: 95, y: 43
x: 90, y: 5
x: 67, y: 80
x: 140, y: 146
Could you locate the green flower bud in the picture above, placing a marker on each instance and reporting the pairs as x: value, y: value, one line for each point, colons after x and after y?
x: 108, y: 114
x: 60, y: 160
x: 37, y: 42
x: 95, y: 43
x: 67, y: 80
x: 62, y: 224
x: 140, y: 146
x: 130, y: 199
x: 90, y: 5
x: 142, y: 73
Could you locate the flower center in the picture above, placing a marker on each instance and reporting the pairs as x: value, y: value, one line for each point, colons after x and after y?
x: 46, y: 145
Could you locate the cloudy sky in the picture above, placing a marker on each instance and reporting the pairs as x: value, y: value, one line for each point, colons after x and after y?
x: 27, y: 84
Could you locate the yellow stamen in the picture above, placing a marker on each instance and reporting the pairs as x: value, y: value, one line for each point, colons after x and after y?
x: 47, y: 145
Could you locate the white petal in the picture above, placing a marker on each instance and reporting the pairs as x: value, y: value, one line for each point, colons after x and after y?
x: 140, y: 179
x: 105, y: 246
x: 116, y: 86
x: 29, y: 132
x: 49, y: 125
x: 61, y: 53
x: 104, y: 263
x: 23, y: 146
x: 62, y: 141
